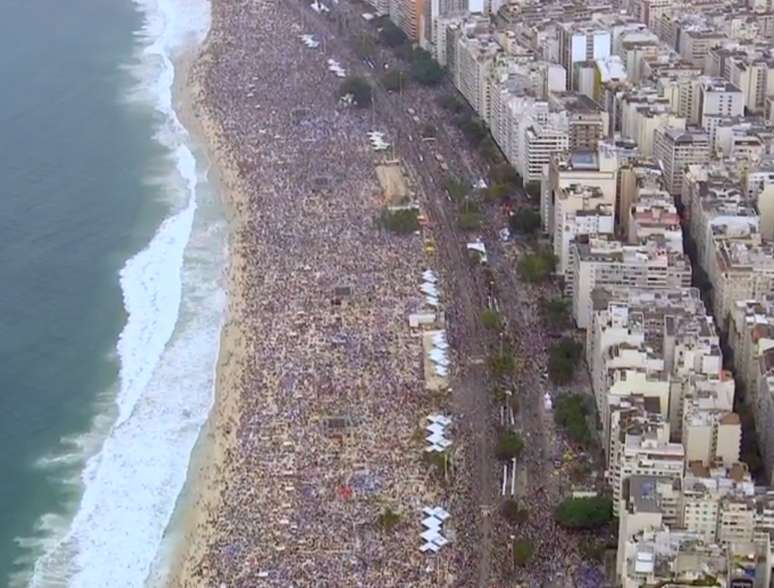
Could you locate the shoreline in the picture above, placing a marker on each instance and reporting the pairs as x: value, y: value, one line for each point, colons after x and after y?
x: 207, y: 461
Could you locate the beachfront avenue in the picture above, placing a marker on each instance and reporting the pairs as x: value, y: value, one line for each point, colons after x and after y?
x: 322, y: 393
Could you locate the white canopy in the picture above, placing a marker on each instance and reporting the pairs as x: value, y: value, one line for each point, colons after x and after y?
x: 430, y: 535
x: 436, y: 428
x: 431, y: 522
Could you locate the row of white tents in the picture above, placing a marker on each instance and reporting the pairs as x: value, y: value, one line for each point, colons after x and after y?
x: 310, y: 41
x: 439, y: 354
x: 429, y: 288
x: 376, y: 138
x: 432, y: 526
x: 336, y: 68
x: 437, y: 439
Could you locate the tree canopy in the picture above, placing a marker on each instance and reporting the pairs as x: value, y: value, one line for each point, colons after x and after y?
x: 425, y: 69
x: 393, y: 79
x: 563, y: 359
x: 503, y: 173
x: 533, y: 189
x: 584, y: 513
x: 556, y: 313
x: 391, y: 35
x: 538, y: 266
x: 513, y: 513
x: 509, y: 445
x: 402, y: 221
x: 457, y: 189
x: 359, y: 88
x: 491, y: 319
x: 364, y: 46
x: 452, y: 103
x: 570, y: 412
x: 525, y: 221
x: 388, y: 519
x: 522, y: 551
x: 502, y: 364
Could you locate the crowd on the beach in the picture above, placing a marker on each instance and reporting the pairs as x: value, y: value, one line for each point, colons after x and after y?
x: 331, y: 396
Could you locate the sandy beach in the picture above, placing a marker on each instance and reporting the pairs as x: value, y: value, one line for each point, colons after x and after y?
x: 207, y: 469
x: 320, y: 404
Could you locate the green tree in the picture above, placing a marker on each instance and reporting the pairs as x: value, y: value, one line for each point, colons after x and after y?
x: 509, y: 445
x: 469, y: 220
x: 570, y: 413
x: 503, y: 173
x: 525, y: 221
x: 502, y: 364
x: 513, y: 513
x: 391, y: 35
x: 393, y: 80
x: 538, y: 266
x: 452, y: 103
x: 584, y: 513
x: 491, y: 319
x: 388, y: 519
x: 473, y: 128
x: 489, y: 150
x: 402, y: 221
x: 428, y: 130
x: 457, y: 189
x: 556, y: 313
x: 497, y: 192
x: 425, y: 69
x: 533, y: 189
x: 364, y: 46
x: 359, y: 88
x: 522, y: 551
x: 563, y: 359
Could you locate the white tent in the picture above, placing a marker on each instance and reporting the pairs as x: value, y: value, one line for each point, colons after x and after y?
x: 436, y: 428
x: 435, y: 438
x: 439, y: 513
x: 430, y: 535
x: 431, y: 523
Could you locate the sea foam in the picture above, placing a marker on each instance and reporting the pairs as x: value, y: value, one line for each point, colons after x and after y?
x: 167, y: 352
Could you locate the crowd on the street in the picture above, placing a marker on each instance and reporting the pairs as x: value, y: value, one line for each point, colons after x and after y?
x: 331, y: 396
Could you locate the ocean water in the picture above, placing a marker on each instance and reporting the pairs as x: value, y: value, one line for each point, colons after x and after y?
x: 113, y: 257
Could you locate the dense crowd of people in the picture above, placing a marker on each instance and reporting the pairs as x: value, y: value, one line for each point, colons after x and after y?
x: 331, y: 397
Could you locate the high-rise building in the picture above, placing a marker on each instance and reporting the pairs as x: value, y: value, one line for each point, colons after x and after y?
x: 676, y: 149
x: 582, y: 41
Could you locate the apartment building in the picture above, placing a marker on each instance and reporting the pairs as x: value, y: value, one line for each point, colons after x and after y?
x: 586, y: 121
x: 581, y: 41
x: 579, y: 210
x: 718, y: 99
x: 642, y: 112
x: 654, y: 216
x: 676, y: 149
x: 594, y: 169
x: 601, y: 262
x: 475, y: 57
x: 646, y: 451
x: 739, y: 271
